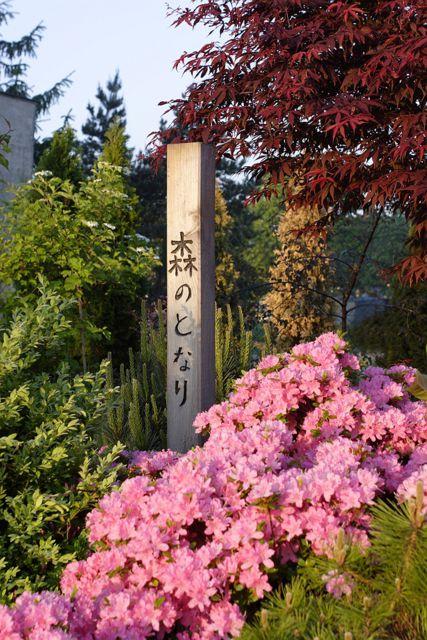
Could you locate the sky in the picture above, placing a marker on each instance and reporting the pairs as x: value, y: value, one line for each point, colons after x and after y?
x: 93, y: 38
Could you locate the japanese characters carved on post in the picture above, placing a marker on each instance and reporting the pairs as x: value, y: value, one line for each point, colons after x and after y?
x: 191, y: 289
x: 182, y: 261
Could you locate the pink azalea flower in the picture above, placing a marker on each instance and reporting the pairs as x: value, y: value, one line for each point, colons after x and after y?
x: 297, y: 453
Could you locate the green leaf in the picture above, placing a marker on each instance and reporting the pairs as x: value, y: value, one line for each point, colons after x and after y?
x: 419, y: 388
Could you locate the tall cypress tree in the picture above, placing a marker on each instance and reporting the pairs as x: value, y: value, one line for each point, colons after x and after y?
x: 62, y: 156
x: 110, y: 109
x: 299, y: 302
x: 226, y: 272
x: 14, y: 68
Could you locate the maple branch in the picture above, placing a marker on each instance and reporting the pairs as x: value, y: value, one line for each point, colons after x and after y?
x: 357, y: 268
x: 282, y: 282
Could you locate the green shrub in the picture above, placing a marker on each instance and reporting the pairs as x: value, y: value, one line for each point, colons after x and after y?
x: 51, y: 473
x: 81, y: 239
x: 387, y: 598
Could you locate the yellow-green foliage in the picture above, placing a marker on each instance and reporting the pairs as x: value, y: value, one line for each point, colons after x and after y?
x: 51, y: 473
x: 62, y: 157
x: 233, y: 350
x: 226, y: 272
x: 115, y: 150
x: 80, y: 239
x: 297, y: 304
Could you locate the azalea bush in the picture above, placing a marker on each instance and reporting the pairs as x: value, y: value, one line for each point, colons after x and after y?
x: 293, y: 462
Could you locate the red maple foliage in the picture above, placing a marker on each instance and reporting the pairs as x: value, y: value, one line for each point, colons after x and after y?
x: 330, y: 91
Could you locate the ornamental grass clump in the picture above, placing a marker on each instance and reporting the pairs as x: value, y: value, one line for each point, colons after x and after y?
x: 292, y: 463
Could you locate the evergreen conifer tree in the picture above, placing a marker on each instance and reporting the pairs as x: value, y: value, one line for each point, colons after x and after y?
x: 14, y: 68
x: 63, y: 156
x: 226, y: 272
x: 299, y: 303
x: 263, y: 241
x: 110, y: 109
x: 150, y: 186
x: 236, y: 188
x: 115, y: 149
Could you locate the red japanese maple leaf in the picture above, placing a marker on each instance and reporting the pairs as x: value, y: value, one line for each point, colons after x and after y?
x: 331, y: 92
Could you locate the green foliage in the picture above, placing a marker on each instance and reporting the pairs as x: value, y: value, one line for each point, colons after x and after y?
x: 150, y: 187
x: 109, y: 110
x: 233, y: 350
x: 399, y: 332
x: 62, y: 158
x: 80, y: 239
x: 225, y: 270
x: 388, y: 597
x: 104, y: 198
x: 115, y: 149
x: 139, y: 417
x: 51, y: 473
x: 236, y: 187
x: 259, y: 252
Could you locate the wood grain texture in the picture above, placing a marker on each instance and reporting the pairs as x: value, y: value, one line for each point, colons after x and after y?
x: 191, y: 289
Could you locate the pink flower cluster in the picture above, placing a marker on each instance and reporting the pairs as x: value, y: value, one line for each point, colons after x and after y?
x: 338, y: 584
x: 37, y: 617
x: 299, y: 451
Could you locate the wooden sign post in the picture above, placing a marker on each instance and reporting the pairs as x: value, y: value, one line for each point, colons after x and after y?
x: 191, y: 289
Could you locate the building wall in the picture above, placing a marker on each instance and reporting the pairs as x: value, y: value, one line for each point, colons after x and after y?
x: 19, y: 115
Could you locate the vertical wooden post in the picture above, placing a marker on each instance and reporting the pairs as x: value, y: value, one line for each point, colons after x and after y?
x: 191, y: 289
